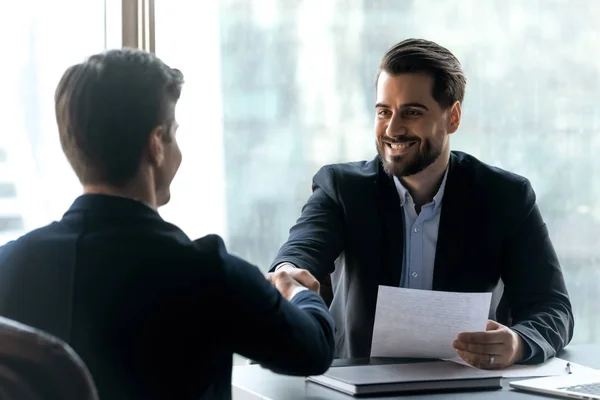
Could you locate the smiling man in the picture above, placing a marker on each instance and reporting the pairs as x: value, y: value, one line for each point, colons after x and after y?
x: 421, y: 216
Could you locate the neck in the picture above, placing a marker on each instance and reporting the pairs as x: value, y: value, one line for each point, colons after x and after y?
x: 136, y: 190
x: 424, y: 185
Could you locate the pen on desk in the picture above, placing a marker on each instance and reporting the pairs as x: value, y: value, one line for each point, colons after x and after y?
x: 568, y: 368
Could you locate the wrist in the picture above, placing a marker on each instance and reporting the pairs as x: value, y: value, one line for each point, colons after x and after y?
x: 519, y: 347
x: 284, y: 265
x: 295, y: 291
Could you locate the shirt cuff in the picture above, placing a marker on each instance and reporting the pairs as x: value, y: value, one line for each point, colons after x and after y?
x: 285, y: 264
x: 296, y: 291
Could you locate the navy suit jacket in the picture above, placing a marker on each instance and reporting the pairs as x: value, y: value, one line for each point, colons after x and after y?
x: 153, y: 314
x: 491, y: 239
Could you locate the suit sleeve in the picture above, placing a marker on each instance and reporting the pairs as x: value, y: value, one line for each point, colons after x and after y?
x: 317, y: 238
x: 534, y: 284
x: 293, y: 338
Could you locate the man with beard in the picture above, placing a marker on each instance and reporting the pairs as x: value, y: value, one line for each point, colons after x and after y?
x: 423, y: 217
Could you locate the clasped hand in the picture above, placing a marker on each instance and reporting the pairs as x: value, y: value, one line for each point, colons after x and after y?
x: 289, y: 279
x: 496, y: 348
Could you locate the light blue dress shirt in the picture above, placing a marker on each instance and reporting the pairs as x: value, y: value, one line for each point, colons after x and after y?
x: 420, y: 237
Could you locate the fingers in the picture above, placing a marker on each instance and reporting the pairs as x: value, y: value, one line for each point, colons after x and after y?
x: 279, y: 278
x: 483, y: 361
x: 478, y: 348
x: 272, y: 277
x: 494, y: 333
x: 495, y: 348
x: 493, y: 325
x: 306, y: 279
x: 283, y: 282
x: 487, y: 337
x: 302, y: 276
x: 269, y: 276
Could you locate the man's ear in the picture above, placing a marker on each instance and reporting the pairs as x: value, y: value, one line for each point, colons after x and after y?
x: 156, y: 146
x: 455, y: 114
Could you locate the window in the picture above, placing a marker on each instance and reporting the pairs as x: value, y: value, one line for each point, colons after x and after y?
x: 275, y: 89
x: 40, y: 41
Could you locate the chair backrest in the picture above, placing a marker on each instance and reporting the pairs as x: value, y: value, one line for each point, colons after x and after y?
x: 37, y: 366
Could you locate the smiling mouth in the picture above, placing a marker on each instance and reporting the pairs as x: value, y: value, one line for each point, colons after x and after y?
x: 399, y: 148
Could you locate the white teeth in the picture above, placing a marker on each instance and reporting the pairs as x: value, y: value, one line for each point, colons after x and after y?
x: 398, y: 146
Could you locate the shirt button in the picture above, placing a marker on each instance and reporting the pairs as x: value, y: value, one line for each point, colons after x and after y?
x: 414, y: 274
x: 416, y: 229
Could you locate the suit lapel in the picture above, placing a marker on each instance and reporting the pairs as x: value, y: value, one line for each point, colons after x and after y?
x: 455, y: 208
x: 392, y: 221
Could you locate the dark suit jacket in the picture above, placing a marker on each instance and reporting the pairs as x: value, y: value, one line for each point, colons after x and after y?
x: 153, y: 314
x: 490, y: 231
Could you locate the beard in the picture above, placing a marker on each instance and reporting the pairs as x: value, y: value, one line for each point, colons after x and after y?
x: 400, y: 166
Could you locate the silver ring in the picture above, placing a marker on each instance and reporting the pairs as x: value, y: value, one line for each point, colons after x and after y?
x: 492, y: 359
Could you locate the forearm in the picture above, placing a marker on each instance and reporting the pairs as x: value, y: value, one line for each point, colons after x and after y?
x: 317, y: 238
x: 304, y: 333
x: 546, y: 330
x: 290, y: 337
x: 534, y: 283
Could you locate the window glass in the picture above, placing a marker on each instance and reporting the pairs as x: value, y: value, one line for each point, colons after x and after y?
x: 40, y: 39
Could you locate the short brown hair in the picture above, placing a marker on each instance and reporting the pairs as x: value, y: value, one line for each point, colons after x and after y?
x: 419, y: 55
x: 106, y: 108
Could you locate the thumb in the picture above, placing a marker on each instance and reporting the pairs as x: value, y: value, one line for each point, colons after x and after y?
x: 269, y: 276
x: 492, y: 325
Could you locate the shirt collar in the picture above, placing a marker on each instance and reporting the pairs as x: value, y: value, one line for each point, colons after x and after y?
x: 406, y: 197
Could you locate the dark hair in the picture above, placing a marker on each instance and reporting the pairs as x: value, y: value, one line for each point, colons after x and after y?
x: 418, y: 55
x: 106, y: 108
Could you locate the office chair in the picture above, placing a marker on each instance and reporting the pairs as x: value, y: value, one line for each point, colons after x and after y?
x: 37, y: 366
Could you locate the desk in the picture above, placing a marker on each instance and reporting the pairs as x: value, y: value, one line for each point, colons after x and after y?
x: 251, y: 382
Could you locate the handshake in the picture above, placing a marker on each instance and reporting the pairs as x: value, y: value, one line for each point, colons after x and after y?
x: 290, y: 280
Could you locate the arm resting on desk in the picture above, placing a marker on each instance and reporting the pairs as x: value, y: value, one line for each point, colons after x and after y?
x: 534, y: 285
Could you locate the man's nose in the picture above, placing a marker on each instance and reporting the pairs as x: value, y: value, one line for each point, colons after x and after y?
x: 395, y: 128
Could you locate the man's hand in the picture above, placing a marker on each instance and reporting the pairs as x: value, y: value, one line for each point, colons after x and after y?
x: 496, y: 348
x: 302, y: 276
x: 287, y: 286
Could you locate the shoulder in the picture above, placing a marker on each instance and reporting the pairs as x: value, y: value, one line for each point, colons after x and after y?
x: 490, y: 182
x: 242, y: 280
x: 212, y: 247
x: 350, y: 170
x: 29, y: 241
x: 483, y: 173
x: 342, y: 180
x: 349, y: 174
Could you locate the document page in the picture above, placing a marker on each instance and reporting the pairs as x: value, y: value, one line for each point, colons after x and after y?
x: 552, y: 367
x: 423, y: 323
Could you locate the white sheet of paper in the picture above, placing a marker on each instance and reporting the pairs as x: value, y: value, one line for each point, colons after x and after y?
x: 423, y: 323
x: 552, y: 367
